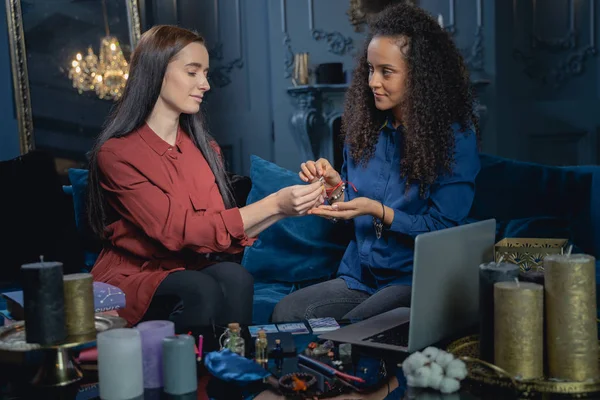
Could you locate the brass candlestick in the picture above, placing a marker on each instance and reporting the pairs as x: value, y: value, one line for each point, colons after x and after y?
x: 301, y: 69
x: 519, y: 329
x: 572, y: 333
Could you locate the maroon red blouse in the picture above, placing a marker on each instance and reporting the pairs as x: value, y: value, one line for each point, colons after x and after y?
x: 169, y: 215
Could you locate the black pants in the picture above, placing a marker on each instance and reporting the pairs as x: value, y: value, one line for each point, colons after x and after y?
x: 196, y: 300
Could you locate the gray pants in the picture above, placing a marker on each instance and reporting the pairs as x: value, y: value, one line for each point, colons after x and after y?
x: 334, y: 299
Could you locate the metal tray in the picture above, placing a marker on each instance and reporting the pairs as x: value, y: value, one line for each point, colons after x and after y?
x: 12, y: 337
x: 467, y: 349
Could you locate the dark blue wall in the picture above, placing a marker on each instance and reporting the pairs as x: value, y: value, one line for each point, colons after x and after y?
x: 530, y: 115
x: 286, y: 27
x: 551, y: 109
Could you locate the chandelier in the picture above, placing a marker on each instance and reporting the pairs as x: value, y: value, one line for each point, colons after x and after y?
x: 105, y: 74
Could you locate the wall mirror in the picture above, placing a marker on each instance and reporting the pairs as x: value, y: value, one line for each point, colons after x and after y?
x: 69, y: 61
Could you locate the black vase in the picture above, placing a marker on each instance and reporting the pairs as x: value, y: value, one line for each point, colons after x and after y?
x: 330, y: 73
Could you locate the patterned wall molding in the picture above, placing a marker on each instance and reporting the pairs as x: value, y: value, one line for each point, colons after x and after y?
x: 474, y: 54
x: 572, y: 63
x: 566, y: 42
x: 451, y: 27
x: 219, y: 76
x: 338, y: 43
x: 288, y: 58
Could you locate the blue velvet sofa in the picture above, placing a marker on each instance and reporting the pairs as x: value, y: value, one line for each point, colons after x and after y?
x: 527, y: 200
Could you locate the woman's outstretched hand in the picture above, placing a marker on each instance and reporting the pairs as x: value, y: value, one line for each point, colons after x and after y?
x: 311, y: 171
x: 298, y: 199
x: 348, y: 210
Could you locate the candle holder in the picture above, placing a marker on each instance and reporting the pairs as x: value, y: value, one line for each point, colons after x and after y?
x: 58, y: 367
x: 467, y: 349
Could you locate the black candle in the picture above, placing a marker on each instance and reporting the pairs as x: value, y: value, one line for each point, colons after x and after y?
x: 489, y: 274
x: 534, y: 276
x: 44, y: 304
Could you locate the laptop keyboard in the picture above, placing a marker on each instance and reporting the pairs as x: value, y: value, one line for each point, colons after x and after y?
x: 396, y: 336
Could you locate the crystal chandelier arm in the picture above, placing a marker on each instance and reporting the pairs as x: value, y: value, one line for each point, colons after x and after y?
x: 107, y: 73
x: 105, y: 14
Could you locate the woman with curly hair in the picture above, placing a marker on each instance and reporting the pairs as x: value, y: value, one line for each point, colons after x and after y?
x: 410, y: 163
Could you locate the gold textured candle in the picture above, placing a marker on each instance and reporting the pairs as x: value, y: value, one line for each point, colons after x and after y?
x: 79, y: 304
x: 519, y: 328
x: 572, y: 332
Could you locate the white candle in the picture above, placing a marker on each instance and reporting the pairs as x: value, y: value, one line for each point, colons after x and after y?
x: 120, y: 364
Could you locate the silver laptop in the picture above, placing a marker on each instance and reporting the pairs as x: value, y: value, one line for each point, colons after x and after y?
x: 445, y: 292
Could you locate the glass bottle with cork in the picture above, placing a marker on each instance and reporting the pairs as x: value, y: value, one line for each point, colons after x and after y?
x: 261, y: 348
x: 234, y: 341
x: 278, y: 354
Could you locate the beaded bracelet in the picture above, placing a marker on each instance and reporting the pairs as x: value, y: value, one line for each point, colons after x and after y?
x: 378, y: 224
x: 342, y: 184
x: 337, y: 196
x: 328, y: 192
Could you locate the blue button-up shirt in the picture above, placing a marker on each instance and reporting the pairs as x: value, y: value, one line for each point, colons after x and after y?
x: 370, y: 264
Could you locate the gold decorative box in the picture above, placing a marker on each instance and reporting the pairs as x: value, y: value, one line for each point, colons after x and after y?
x: 528, y: 253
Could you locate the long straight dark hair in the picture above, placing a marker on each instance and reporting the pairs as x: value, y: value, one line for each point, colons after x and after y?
x: 149, y: 61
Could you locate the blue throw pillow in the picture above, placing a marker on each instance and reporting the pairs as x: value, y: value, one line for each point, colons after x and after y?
x: 296, y: 249
x: 91, y: 244
x: 79, y: 180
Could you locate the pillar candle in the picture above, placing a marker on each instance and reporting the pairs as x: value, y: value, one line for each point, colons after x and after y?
x: 572, y: 332
x: 43, y: 299
x: 489, y: 274
x: 187, y: 396
x: 79, y: 304
x: 179, y: 365
x: 152, y: 333
x: 532, y: 276
x: 120, y: 375
x: 519, y: 328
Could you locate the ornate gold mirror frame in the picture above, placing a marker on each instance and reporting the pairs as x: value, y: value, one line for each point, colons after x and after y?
x: 18, y: 56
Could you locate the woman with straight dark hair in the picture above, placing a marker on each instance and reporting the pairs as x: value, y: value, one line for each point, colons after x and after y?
x: 160, y: 198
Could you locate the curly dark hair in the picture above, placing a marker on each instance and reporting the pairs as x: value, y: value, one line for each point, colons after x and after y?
x: 439, y: 95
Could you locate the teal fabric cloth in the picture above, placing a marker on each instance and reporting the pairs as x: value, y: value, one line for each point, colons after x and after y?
x: 266, y: 297
x: 230, y: 367
x: 293, y: 250
x: 79, y: 179
x: 78, y: 189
